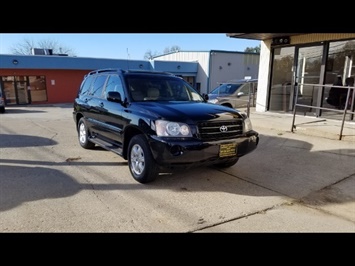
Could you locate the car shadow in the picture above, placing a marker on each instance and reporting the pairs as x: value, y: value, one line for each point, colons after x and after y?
x: 11, y: 110
x: 18, y: 141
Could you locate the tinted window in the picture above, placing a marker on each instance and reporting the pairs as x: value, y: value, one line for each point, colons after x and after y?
x: 98, y: 85
x: 165, y: 88
x: 114, y: 83
x: 86, y: 85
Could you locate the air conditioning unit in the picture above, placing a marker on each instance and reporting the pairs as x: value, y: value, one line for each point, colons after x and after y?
x: 41, y: 51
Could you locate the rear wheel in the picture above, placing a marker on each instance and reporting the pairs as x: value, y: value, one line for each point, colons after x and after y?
x: 141, y: 163
x: 83, y: 135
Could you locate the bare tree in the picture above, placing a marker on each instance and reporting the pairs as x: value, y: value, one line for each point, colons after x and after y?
x: 25, y: 47
x: 174, y: 48
x: 150, y: 55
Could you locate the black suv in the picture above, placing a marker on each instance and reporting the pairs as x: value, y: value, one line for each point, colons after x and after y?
x: 158, y: 122
x: 2, y: 103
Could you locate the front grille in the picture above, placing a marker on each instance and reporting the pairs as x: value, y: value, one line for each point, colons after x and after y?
x: 208, y: 131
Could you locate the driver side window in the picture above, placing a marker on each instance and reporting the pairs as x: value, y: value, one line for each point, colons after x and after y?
x: 245, y: 89
x: 114, y: 83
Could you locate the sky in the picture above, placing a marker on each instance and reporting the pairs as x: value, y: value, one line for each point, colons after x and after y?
x: 130, y: 45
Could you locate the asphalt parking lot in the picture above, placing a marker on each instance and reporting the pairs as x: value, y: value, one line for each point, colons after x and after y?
x: 290, y: 183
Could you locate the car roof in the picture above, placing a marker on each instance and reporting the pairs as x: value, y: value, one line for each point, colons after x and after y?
x: 239, y: 81
x: 129, y: 71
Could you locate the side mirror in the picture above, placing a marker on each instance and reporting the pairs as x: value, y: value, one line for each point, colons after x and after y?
x: 240, y: 94
x: 205, y: 96
x: 114, y: 96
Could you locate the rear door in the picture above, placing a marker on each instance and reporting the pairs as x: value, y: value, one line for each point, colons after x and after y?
x: 111, y: 112
x: 97, y: 109
x: 83, y: 102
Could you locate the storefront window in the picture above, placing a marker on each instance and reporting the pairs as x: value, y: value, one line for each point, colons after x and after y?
x: 308, y: 73
x: 24, y: 89
x: 340, y: 68
x: 38, y: 88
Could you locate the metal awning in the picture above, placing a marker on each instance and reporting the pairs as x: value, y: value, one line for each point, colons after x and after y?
x: 259, y: 36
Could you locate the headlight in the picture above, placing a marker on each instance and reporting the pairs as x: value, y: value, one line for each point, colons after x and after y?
x: 213, y: 101
x: 247, y: 125
x: 247, y: 122
x: 171, y: 129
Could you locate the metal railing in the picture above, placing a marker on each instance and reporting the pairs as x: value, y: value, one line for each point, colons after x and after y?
x: 350, y: 89
x: 251, y: 101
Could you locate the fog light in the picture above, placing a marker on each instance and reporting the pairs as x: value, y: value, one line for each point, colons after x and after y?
x: 176, y: 150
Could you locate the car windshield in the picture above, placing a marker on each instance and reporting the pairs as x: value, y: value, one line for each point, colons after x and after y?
x: 151, y: 88
x: 225, y: 89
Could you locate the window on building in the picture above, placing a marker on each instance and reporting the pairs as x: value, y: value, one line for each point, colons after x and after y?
x: 38, y: 88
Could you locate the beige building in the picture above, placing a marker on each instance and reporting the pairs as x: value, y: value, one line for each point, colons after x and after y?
x: 216, y: 66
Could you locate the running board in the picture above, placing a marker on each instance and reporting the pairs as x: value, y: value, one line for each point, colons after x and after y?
x: 106, y: 145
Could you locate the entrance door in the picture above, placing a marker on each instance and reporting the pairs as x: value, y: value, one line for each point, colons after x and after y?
x: 21, y: 90
x: 282, y: 79
x: 308, y: 72
x: 9, y: 90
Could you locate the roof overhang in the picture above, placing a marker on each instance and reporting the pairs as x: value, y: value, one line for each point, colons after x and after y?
x: 259, y: 36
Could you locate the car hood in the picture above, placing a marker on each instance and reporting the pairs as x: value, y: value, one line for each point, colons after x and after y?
x: 186, y: 111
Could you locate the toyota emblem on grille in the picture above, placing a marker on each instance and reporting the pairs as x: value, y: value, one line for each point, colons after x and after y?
x: 223, y: 128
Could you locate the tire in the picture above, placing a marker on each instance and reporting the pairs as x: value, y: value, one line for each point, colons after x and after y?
x: 2, y: 109
x: 227, y: 163
x: 83, y: 135
x: 141, y: 163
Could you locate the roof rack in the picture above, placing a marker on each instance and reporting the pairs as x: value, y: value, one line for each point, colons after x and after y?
x: 104, y: 70
x: 149, y: 71
x: 238, y: 81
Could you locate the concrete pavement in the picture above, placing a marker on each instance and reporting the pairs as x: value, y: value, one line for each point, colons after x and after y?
x: 305, y: 125
x: 293, y: 182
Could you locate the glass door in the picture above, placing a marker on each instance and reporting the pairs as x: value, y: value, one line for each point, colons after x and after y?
x: 21, y: 90
x: 9, y: 90
x: 308, y: 72
x: 282, y: 79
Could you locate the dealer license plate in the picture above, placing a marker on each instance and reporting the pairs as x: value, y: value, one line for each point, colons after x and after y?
x: 226, y: 150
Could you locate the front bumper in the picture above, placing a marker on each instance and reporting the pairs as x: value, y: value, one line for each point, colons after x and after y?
x: 169, y: 152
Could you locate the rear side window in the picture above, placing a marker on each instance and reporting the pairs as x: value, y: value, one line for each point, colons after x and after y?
x: 86, y: 85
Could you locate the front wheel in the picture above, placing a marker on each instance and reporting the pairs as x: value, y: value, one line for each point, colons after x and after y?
x: 83, y: 135
x: 141, y: 163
